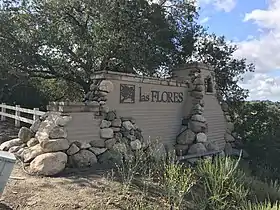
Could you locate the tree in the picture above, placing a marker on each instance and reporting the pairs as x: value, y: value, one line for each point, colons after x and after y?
x: 70, y: 40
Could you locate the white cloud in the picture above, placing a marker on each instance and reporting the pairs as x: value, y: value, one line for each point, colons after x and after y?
x: 220, y: 5
x: 264, y: 52
x: 263, y: 87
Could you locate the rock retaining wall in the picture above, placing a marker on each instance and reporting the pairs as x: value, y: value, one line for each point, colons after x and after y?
x: 193, y: 137
x: 44, y: 147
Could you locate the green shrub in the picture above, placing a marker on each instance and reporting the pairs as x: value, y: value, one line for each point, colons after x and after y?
x: 261, y: 206
x: 177, y: 182
x: 221, y: 185
x: 262, y: 191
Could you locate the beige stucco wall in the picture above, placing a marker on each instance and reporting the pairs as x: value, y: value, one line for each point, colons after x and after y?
x: 159, y: 118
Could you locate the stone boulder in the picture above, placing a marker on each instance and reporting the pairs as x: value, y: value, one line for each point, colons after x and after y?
x: 35, y: 126
x: 73, y: 149
x: 55, y: 145
x: 197, y: 149
x: 15, y: 149
x: 32, y: 152
x: 201, y: 138
x: 98, y: 143
x: 97, y: 151
x: 110, y: 116
x: 32, y: 142
x: 198, y: 118
x: 63, y: 120
x: 198, y: 127
x: 128, y: 125
x: 84, y: 158
x: 58, y: 133
x: 106, y: 133
x: 110, y: 157
x: 8, y: 144
x: 187, y: 137
x: 49, y: 164
x: 110, y: 143
x: 117, y: 123
x: 25, y: 134
x: 105, y: 124
x: 229, y: 138
x: 106, y: 86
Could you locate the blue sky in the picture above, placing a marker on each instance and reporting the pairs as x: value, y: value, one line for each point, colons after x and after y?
x: 231, y: 23
x: 254, y: 26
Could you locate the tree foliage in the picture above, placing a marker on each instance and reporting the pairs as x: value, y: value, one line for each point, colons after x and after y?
x: 258, y: 125
x: 70, y: 39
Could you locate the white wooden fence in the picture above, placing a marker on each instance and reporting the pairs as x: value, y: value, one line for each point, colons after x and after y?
x: 17, y: 110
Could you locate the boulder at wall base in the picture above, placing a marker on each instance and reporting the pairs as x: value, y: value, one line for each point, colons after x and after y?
x: 110, y: 157
x: 97, y: 151
x: 83, y: 159
x: 32, y: 152
x: 8, y: 144
x: 186, y: 137
x: 98, y: 143
x: 15, y: 149
x: 197, y: 149
x: 55, y: 145
x: 211, y: 146
x: 73, y: 149
x: 32, y: 142
x: 49, y: 164
x: 110, y: 143
x: 25, y: 134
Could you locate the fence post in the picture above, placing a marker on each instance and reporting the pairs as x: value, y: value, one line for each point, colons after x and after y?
x: 3, y: 118
x: 35, y: 115
x: 17, y: 114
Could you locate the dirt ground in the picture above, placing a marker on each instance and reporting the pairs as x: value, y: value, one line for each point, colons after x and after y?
x: 84, y: 190
x: 72, y: 190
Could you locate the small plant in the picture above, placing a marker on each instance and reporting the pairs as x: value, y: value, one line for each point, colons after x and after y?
x: 261, y: 206
x: 177, y: 182
x: 221, y: 184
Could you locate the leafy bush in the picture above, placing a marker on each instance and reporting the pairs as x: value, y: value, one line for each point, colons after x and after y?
x: 221, y: 185
x: 258, y: 125
x: 177, y: 182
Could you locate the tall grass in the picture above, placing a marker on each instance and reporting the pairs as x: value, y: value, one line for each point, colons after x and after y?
x: 261, y: 206
x: 177, y: 182
x: 220, y: 184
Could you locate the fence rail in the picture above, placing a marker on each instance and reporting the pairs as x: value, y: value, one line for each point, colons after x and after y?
x: 35, y: 113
